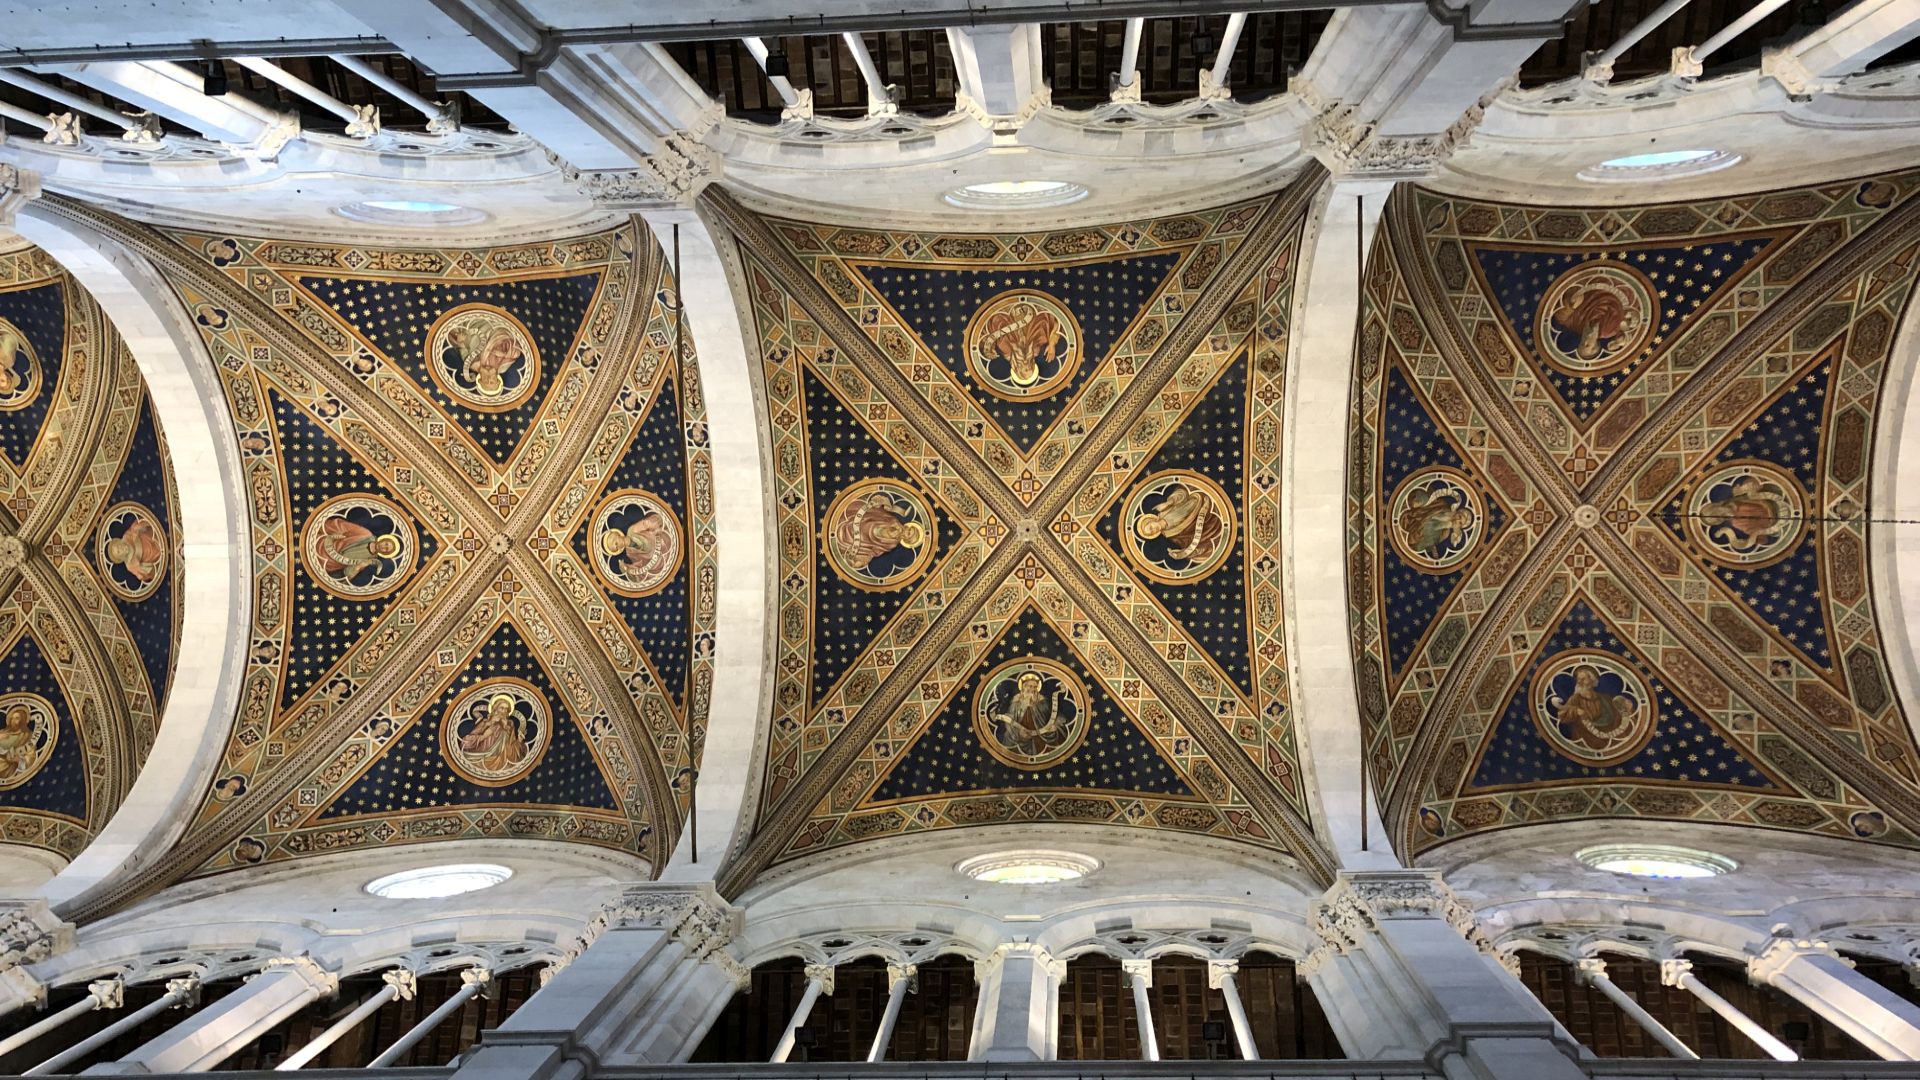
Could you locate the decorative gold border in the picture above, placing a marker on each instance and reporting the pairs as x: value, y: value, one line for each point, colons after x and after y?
x: 1042, y: 391
x: 594, y: 554
x: 534, y: 758
x: 100, y: 552
x: 1131, y: 542
x: 1549, y: 668
x: 399, y: 517
x: 920, y: 563
x: 1690, y: 524
x: 1550, y: 356
x: 1066, y: 675
x: 534, y: 368
x: 1387, y: 526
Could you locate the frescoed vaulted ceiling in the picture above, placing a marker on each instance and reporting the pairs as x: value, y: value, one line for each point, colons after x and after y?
x: 1609, y: 512
x: 89, y: 551
x: 1026, y: 489
x: 479, y: 494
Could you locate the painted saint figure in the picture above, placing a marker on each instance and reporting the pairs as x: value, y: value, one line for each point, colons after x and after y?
x: 1021, y: 334
x: 1031, y: 723
x: 17, y: 749
x: 1434, y: 521
x: 644, y: 552
x: 1187, y: 520
x: 1593, y: 709
x: 1596, y: 317
x: 16, y: 366
x: 1747, y: 513
x: 139, y: 551
x: 870, y: 528
x: 495, y: 744
x: 482, y: 357
x: 347, y: 551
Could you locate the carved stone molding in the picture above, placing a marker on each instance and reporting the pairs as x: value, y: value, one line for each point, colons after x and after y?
x: 1358, y: 903
x: 403, y: 982
x: 907, y: 973
x: 30, y: 932
x: 1780, y: 952
x: 695, y: 915
x: 1675, y: 973
x: 188, y: 989
x: 1007, y: 125
x: 1352, y: 148
x: 18, y: 186
x: 107, y: 993
x: 1784, y: 67
x: 327, y: 982
x: 673, y: 176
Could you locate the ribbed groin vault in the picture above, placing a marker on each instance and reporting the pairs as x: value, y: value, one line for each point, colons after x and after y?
x: 557, y: 541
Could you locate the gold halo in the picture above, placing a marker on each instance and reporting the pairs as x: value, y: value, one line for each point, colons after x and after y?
x: 458, y: 395
x: 490, y: 690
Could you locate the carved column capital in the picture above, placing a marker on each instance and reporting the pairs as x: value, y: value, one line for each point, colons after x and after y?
x: 403, y: 982
x: 1675, y: 972
x: 1359, y: 902
x: 1767, y: 966
x: 477, y: 976
x: 1684, y: 65
x: 107, y: 993
x: 1352, y: 148
x: 1589, y: 968
x: 1140, y: 971
x: 823, y: 973
x: 188, y: 989
x: 1219, y: 971
x: 907, y: 973
x: 697, y: 917
x: 327, y: 982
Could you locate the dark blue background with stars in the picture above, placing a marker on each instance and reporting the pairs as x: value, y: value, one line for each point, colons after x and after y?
x: 1411, y: 442
x: 150, y: 621
x: 1209, y: 442
x: 1686, y: 277
x: 396, y: 315
x: 1785, y: 595
x: 60, y: 787
x: 413, y: 773
x: 318, y: 468
x: 1684, y: 746
x: 1104, y: 297
x: 655, y: 461
x: 40, y: 314
x: 948, y: 758
x: 841, y: 453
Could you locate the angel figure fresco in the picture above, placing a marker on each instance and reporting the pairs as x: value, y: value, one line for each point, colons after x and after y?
x: 1187, y: 520
x: 643, y: 552
x: 346, y: 551
x: 1599, y: 312
x: 870, y: 528
x: 1021, y: 334
x: 496, y: 744
x: 139, y: 551
x: 1435, y: 521
x: 1592, y: 717
x: 18, y: 743
x: 1031, y: 721
x: 1747, y: 514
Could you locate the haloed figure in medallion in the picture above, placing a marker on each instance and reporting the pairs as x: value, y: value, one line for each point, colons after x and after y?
x: 347, y: 552
x: 495, y: 744
x: 872, y: 528
x: 482, y: 363
x: 643, y: 552
x: 1435, y: 522
x: 1031, y: 722
x: 16, y: 366
x: 139, y: 551
x: 17, y: 742
x: 1024, y: 335
x: 1187, y: 520
x: 1592, y: 717
x: 1748, y: 513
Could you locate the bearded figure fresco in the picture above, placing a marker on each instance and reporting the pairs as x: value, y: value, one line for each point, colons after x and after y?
x: 28, y: 728
x: 358, y: 546
x: 1023, y: 345
x: 876, y: 535
x: 1596, y: 318
x: 1747, y: 514
x: 1178, y: 527
x: 132, y: 551
x: 1030, y: 713
x: 496, y: 732
x: 19, y: 368
x: 1435, y: 520
x: 1592, y: 707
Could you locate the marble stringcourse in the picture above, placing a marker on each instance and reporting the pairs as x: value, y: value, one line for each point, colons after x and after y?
x: 480, y: 498
x: 1608, y: 512
x: 1026, y: 491
x: 90, y: 590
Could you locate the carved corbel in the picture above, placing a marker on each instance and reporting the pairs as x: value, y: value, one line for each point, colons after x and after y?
x: 674, y: 175
x: 1766, y: 968
x: 1685, y: 65
x: 802, y: 108
x: 1139, y: 971
x: 403, y: 982
x: 327, y: 982
x: 1784, y: 67
x: 1219, y: 971
x: 1126, y: 93
x: 30, y: 932
x: 1210, y: 92
x: 65, y: 130
x: 365, y: 123
x: 146, y: 129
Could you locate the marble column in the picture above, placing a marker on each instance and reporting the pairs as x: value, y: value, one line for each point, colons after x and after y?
x: 1680, y: 973
x: 819, y: 981
x: 1813, y: 974
x: 1404, y: 971
x: 643, y: 983
x: 217, y: 1032
x: 1593, y: 971
x: 1019, y: 1007
x: 400, y: 984
x: 1220, y: 976
x: 1140, y: 979
x: 900, y: 979
x: 101, y: 994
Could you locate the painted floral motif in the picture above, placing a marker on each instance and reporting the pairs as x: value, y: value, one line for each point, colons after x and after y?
x: 1592, y: 707
x: 1023, y: 345
x: 1178, y: 527
x: 19, y: 369
x: 878, y: 535
x: 1747, y: 514
x: 1435, y: 520
x: 358, y: 546
x: 636, y: 542
x: 1596, y: 318
x: 496, y: 732
x: 131, y: 550
x: 483, y: 358
x: 28, y: 730
x: 1030, y: 713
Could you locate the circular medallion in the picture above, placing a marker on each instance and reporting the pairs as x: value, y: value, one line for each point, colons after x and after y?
x: 878, y: 535
x: 1023, y: 345
x: 636, y: 543
x: 1431, y: 822
x: 28, y: 729
x: 1592, y: 707
x: 1747, y: 513
x: 1868, y: 824
x: 19, y: 369
x: 131, y: 550
x: 1178, y: 527
x: 1435, y: 520
x: 1596, y: 318
x: 496, y: 731
x: 1030, y: 713
x: 358, y: 546
x: 483, y: 358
